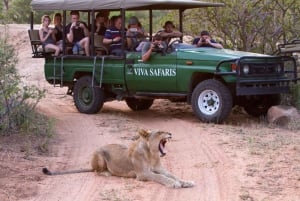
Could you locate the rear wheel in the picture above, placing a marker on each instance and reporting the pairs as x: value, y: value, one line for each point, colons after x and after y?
x: 139, y: 104
x: 87, y: 99
x: 211, y: 101
x: 259, y: 105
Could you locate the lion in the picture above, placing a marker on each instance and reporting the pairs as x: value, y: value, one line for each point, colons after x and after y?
x: 141, y: 160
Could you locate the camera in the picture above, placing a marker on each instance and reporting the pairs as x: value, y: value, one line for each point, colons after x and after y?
x: 133, y: 29
x: 158, y: 46
x: 77, y: 24
x: 203, y: 40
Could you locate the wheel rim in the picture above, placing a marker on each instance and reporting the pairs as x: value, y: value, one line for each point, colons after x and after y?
x: 86, y: 95
x: 209, y: 102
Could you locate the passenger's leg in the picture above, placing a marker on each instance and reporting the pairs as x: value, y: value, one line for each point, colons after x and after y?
x: 85, y: 43
x: 53, y: 47
x: 60, y: 45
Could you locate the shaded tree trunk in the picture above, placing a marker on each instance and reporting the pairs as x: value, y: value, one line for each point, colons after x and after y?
x: 6, y: 4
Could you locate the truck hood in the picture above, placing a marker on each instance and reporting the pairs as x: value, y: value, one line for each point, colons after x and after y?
x: 208, y: 53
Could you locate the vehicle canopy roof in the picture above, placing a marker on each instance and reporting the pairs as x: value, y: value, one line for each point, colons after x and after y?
x: 119, y: 4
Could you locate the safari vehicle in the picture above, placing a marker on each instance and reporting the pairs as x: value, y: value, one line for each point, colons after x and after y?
x: 211, y: 80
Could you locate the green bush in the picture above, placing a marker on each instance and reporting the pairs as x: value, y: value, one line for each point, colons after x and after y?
x: 293, y: 97
x: 295, y: 93
x: 18, y: 101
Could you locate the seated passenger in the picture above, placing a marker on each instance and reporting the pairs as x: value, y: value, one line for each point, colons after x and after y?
x: 58, y: 27
x: 135, y: 33
x: 149, y: 47
x: 78, y: 34
x: 168, y: 32
x: 101, y: 23
x: 47, y: 36
x: 113, y: 36
x: 205, y: 41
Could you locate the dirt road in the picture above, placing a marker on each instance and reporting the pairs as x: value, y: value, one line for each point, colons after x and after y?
x: 192, y: 155
x: 226, y: 161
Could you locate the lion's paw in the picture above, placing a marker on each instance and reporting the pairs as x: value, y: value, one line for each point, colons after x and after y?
x: 187, y: 184
x: 105, y: 173
x: 176, y: 184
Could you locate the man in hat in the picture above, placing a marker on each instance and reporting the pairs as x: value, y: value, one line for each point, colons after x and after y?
x: 205, y: 41
x: 135, y: 33
x: 169, y: 32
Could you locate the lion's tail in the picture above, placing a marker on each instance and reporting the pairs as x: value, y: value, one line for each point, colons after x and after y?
x: 48, y: 172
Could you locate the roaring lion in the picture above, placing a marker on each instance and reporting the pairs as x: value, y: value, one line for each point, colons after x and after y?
x: 141, y: 160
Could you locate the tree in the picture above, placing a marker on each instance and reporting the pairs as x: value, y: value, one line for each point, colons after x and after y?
x: 17, y: 101
x: 287, y: 15
x: 19, y: 11
x: 249, y: 25
x: 5, y: 2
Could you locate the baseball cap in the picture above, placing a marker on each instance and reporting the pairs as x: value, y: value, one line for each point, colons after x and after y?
x: 133, y: 20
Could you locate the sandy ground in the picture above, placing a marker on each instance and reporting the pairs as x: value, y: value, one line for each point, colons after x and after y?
x: 243, y: 159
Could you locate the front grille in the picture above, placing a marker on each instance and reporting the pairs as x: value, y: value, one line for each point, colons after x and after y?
x: 259, y: 69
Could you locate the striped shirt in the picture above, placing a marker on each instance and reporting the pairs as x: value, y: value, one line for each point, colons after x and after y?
x: 111, y: 33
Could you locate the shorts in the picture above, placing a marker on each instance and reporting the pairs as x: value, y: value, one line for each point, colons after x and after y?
x: 76, y: 48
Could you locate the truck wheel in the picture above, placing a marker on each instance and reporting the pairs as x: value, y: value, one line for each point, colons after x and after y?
x: 260, y: 104
x: 87, y: 99
x: 139, y: 104
x: 211, y: 101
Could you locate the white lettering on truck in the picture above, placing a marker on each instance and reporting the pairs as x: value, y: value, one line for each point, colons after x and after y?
x: 155, y: 72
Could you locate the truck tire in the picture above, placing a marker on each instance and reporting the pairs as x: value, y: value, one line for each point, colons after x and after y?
x: 259, y: 105
x: 87, y: 99
x: 211, y: 101
x: 139, y: 104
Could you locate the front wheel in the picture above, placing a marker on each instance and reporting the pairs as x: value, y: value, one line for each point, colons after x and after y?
x: 211, y: 101
x: 139, y: 104
x: 87, y: 99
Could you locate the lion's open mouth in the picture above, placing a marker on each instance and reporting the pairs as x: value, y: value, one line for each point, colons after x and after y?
x: 161, y: 146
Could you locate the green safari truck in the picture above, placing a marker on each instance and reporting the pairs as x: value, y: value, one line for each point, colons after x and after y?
x: 211, y: 80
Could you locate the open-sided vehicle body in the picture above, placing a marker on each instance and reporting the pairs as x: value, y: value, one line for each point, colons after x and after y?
x: 211, y: 80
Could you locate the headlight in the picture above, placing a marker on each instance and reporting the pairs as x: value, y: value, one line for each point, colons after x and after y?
x: 246, y: 69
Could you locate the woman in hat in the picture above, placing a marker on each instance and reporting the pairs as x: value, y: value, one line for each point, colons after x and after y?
x: 135, y: 33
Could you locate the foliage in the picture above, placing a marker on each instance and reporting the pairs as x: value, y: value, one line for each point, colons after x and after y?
x: 17, y: 101
x: 19, y: 11
x: 249, y: 25
x: 159, y: 18
x: 296, y: 95
x: 1, y: 13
